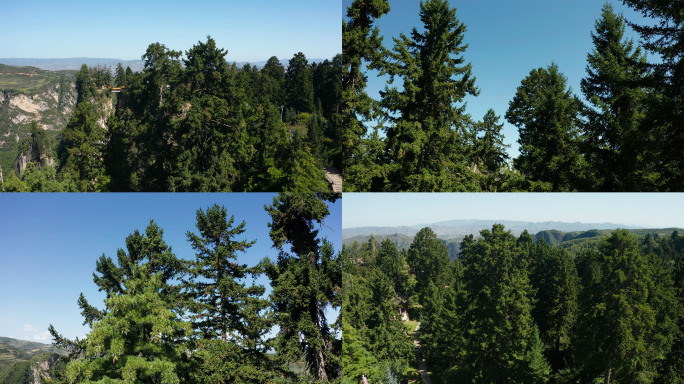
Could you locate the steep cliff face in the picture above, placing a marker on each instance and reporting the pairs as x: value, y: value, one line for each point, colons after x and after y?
x: 51, y: 107
x: 43, y: 368
x: 27, y: 95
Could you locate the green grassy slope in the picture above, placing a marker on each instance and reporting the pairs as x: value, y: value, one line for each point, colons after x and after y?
x: 26, y: 80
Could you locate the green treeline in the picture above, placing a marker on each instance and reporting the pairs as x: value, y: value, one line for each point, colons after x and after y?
x: 513, y: 310
x: 205, y: 320
x: 627, y: 136
x: 193, y: 122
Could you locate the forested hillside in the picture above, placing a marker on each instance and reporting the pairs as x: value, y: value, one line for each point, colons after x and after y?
x: 626, y: 134
x: 606, y: 308
x: 192, y: 122
x: 31, y: 96
x: 204, y: 318
x: 21, y: 361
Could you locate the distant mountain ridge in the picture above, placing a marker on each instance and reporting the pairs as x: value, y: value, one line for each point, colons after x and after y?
x: 75, y: 63
x: 459, y: 228
x: 552, y: 236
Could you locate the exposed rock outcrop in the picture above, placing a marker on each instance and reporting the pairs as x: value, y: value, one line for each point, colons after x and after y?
x: 42, y: 368
x: 34, y: 104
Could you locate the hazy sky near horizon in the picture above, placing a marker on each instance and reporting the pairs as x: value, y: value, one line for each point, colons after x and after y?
x: 649, y: 210
x: 249, y: 30
x: 49, y: 244
x: 506, y: 40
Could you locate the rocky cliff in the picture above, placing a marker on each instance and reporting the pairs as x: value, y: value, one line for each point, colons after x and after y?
x: 40, y: 369
x: 28, y: 95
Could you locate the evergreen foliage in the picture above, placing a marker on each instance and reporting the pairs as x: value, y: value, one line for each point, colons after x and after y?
x: 429, y: 262
x: 520, y: 310
x: 626, y: 138
x: 375, y: 343
x: 305, y: 281
x: 665, y: 120
x: 614, y: 88
x: 546, y: 114
x: 139, y: 336
x: 170, y: 320
x: 228, y: 316
x: 425, y: 146
x: 362, y: 45
x: 199, y: 124
x: 502, y: 342
x: 627, y: 308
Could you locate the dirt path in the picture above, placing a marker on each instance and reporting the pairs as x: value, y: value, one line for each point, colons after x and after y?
x: 334, y: 178
x: 422, y: 366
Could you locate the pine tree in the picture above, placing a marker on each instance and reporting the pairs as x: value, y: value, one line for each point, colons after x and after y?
x: 556, y: 283
x: 139, y: 336
x: 213, y: 145
x: 361, y: 45
x: 224, y: 308
x: 81, y: 151
x: 216, y: 284
x: 490, y: 151
x: 299, y: 84
x: 390, y: 261
x: 426, y: 139
x: 614, y: 88
x: 274, y: 82
x: 429, y: 262
x: 626, y: 319
x: 305, y: 280
x: 546, y: 114
x: 665, y: 120
x: 206, y: 68
x: 375, y: 342
x: 301, y: 171
x: 158, y: 99
x: 501, y: 340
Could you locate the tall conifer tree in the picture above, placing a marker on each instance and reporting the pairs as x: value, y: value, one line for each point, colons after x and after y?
x: 362, y: 45
x: 501, y: 340
x: 426, y: 139
x: 614, y: 87
x: 229, y: 316
x: 626, y: 319
x: 664, y: 38
x: 546, y: 114
x: 305, y: 280
x: 139, y: 336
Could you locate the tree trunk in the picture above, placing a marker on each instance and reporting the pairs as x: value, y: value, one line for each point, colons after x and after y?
x: 320, y: 362
x: 606, y: 378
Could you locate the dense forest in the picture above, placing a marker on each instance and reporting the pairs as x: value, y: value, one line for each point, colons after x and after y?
x: 626, y: 135
x: 192, y: 122
x: 515, y: 310
x: 204, y: 320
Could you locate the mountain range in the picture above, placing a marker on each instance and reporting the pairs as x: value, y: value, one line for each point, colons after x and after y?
x: 453, y: 229
x: 451, y: 233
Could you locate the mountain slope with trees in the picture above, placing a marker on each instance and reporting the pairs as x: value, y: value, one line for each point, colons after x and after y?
x: 192, y: 122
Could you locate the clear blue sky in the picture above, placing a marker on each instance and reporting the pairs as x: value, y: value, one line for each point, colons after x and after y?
x: 49, y: 244
x: 251, y: 30
x: 647, y: 210
x: 507, y: 39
